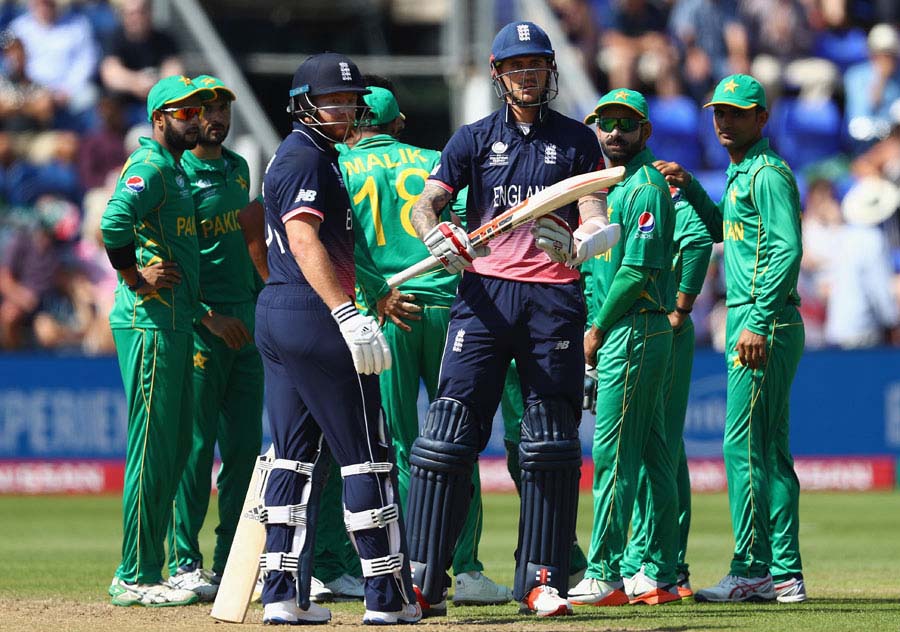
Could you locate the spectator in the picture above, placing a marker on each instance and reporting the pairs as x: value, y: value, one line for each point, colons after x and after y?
x: 579, y: 22
x: 24, y: 105
x: 103, y: 149
x: 862, y: 306
x: 635, y: 39
x: 871, y: 87
x: 882, y: 160
x: 821, y: 235
x: 61, y: 55
x: 137, y: 57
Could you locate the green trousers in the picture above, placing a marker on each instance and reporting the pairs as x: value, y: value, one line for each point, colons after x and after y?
x: 512, y: 408
x: 630, y: 432
x: 763, y: 490
x: 156, y: 372
x: 676, y: 387
x: 228, y: 400
x: 417, y: 358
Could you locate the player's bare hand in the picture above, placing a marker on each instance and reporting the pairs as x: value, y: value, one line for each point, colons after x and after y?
x: 751, y: 349
x: 231, y: 330
x: 676, y: 319
x: 593, y: 340
x: 397, y: 306
x: 674, y: 173
x: 160, y: 275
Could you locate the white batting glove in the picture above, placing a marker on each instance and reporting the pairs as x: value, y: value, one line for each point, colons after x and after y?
x: 363, y: 336
x: 591, y: 239
x: 449, y: 244
x: 553, y: 236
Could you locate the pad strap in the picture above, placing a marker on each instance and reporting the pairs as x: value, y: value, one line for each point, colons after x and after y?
x: 292, y: 515
x: 382, y: 565
x: 371, y: 518
x: 366, y: 468
x: 279, y: 562
x: 286, y: 464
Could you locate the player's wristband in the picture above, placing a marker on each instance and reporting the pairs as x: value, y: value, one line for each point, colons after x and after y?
x: 683, y: 311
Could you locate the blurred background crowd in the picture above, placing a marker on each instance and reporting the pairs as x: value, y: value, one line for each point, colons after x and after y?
x: 74, y: 75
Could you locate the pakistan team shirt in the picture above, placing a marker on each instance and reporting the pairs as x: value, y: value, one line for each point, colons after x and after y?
x: 152, y: 208
x: 759, y: 221
x: 220, y: 190
x: 642, y: 205
x: 693, y: 247
x: 385, y: 178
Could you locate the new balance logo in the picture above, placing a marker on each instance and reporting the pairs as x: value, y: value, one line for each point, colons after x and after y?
x: 458, y: 340
x: 345, y: 71
x: 523, y: 32
x: 305, y: 195
x: 562, y: 345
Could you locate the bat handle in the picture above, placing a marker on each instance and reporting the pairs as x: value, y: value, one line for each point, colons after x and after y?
x: 425, y: 265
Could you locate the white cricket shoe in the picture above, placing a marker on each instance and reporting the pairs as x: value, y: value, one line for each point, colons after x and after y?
x: 596, y: 592
x: 153, y: 595
x: 347, y: 588
x: 201, y: 582
x: 733, y: 589
x: 648, y: 591
x: 477, y: 589
x: 545, y: 601
x: 319, y: 592
x: 410, y: 613
x: 628, y: 582
x: 791, y: 590
x: 289, y: 613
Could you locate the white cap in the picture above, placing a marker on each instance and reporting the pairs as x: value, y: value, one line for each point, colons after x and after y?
x: 870, y: 201
x: 883, y: 39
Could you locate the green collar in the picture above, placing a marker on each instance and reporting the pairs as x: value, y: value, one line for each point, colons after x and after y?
x: 759, y: 147
x: 224, y: 164
x: 642, y: 158
x: 167, y: 157
x: 372, y: 141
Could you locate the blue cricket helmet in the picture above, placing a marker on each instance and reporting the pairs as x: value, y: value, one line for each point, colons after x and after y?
x: 327, y: 73
x: 521, y: 38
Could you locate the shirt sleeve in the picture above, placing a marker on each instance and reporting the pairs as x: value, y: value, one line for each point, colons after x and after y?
x: 708, y: 211
x: 140, y: 190
x: 695, y: 247
x: 453, y: 171
x: 301, y: 186
x: 643, y: 232
x: 775, y: 197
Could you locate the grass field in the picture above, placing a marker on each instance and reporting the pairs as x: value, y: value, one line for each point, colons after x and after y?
x: 57, y: 556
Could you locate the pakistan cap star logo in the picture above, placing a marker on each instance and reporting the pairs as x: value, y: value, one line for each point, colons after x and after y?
x: 621, y: 94
x: 240, y: 180
x: 200, y: 361
x: 185, y: 80
x: 208, y: 81
x: 730, y: 86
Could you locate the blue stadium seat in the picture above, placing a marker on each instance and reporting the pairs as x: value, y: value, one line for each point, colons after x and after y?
x: 805, y: 131
x: 675, y: 130
x: 844, y: 48
x: 714, y: 155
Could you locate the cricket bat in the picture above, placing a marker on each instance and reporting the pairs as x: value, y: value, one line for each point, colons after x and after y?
x: 242, y: 567
x: 547, y: 200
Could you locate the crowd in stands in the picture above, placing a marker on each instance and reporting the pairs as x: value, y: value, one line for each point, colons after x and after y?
x: 74, y: 75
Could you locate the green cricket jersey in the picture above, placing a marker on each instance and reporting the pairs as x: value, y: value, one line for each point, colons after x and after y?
x: 221, y: 189
x: 693, y: 247
x: 396, y: 245
x: 642, y: 205
x: 759, y: 221
x: 152, y: 208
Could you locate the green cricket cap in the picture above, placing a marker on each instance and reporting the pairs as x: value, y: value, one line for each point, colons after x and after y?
x: 383, y: 107
x: 631, y: 99
x: 173, y: 89
x: 214, y: 83
x: 741, y: 91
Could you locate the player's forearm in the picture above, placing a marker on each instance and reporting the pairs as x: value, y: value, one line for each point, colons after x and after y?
x: 593, y: 206
x: 316, y: 266
x: 252, y: 221
x: 626, y: 287
x: 694, y: 266
x: 427, y: 209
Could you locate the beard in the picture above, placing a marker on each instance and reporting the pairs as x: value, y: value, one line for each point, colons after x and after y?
x: 213, y: 137
x: 181, y: 141
x: 621, y: 152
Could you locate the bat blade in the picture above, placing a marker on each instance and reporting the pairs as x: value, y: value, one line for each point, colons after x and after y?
x: 543, y: 202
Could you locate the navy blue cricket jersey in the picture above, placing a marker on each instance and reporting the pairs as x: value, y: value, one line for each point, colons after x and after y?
x: 502, y: 166
x: 303, y: 177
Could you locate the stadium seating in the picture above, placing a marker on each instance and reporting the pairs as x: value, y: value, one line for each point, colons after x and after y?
x: 844, y: 48
x: 805, y: 131
x: 675, y: 130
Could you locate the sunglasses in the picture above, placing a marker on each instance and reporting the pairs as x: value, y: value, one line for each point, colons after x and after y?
x: 184, y: 114
x: 626, y: 125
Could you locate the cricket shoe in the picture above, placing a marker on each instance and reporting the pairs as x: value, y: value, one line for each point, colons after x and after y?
x: 410, y: 613
x: 791, y: 590
x: 734, y: 589
x: 152, y: 595
x: 684, y: 585
x: 289, y: 613
x: 596, y: 592
x: 576, y: 577
x: 628, y: 582
x: 431, y: 610
x: 319, y: 592
x: 201, y: 582
x: 545, y: 601
x: 346, y: 588
x: 648, y: 591
x: 477, y: 589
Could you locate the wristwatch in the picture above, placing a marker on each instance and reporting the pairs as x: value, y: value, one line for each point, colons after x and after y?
x: 141, y: 282
x: 683, y: 311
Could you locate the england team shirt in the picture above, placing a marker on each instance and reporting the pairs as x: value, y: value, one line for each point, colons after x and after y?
x: 303, y: 179
x: 502, y: 166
